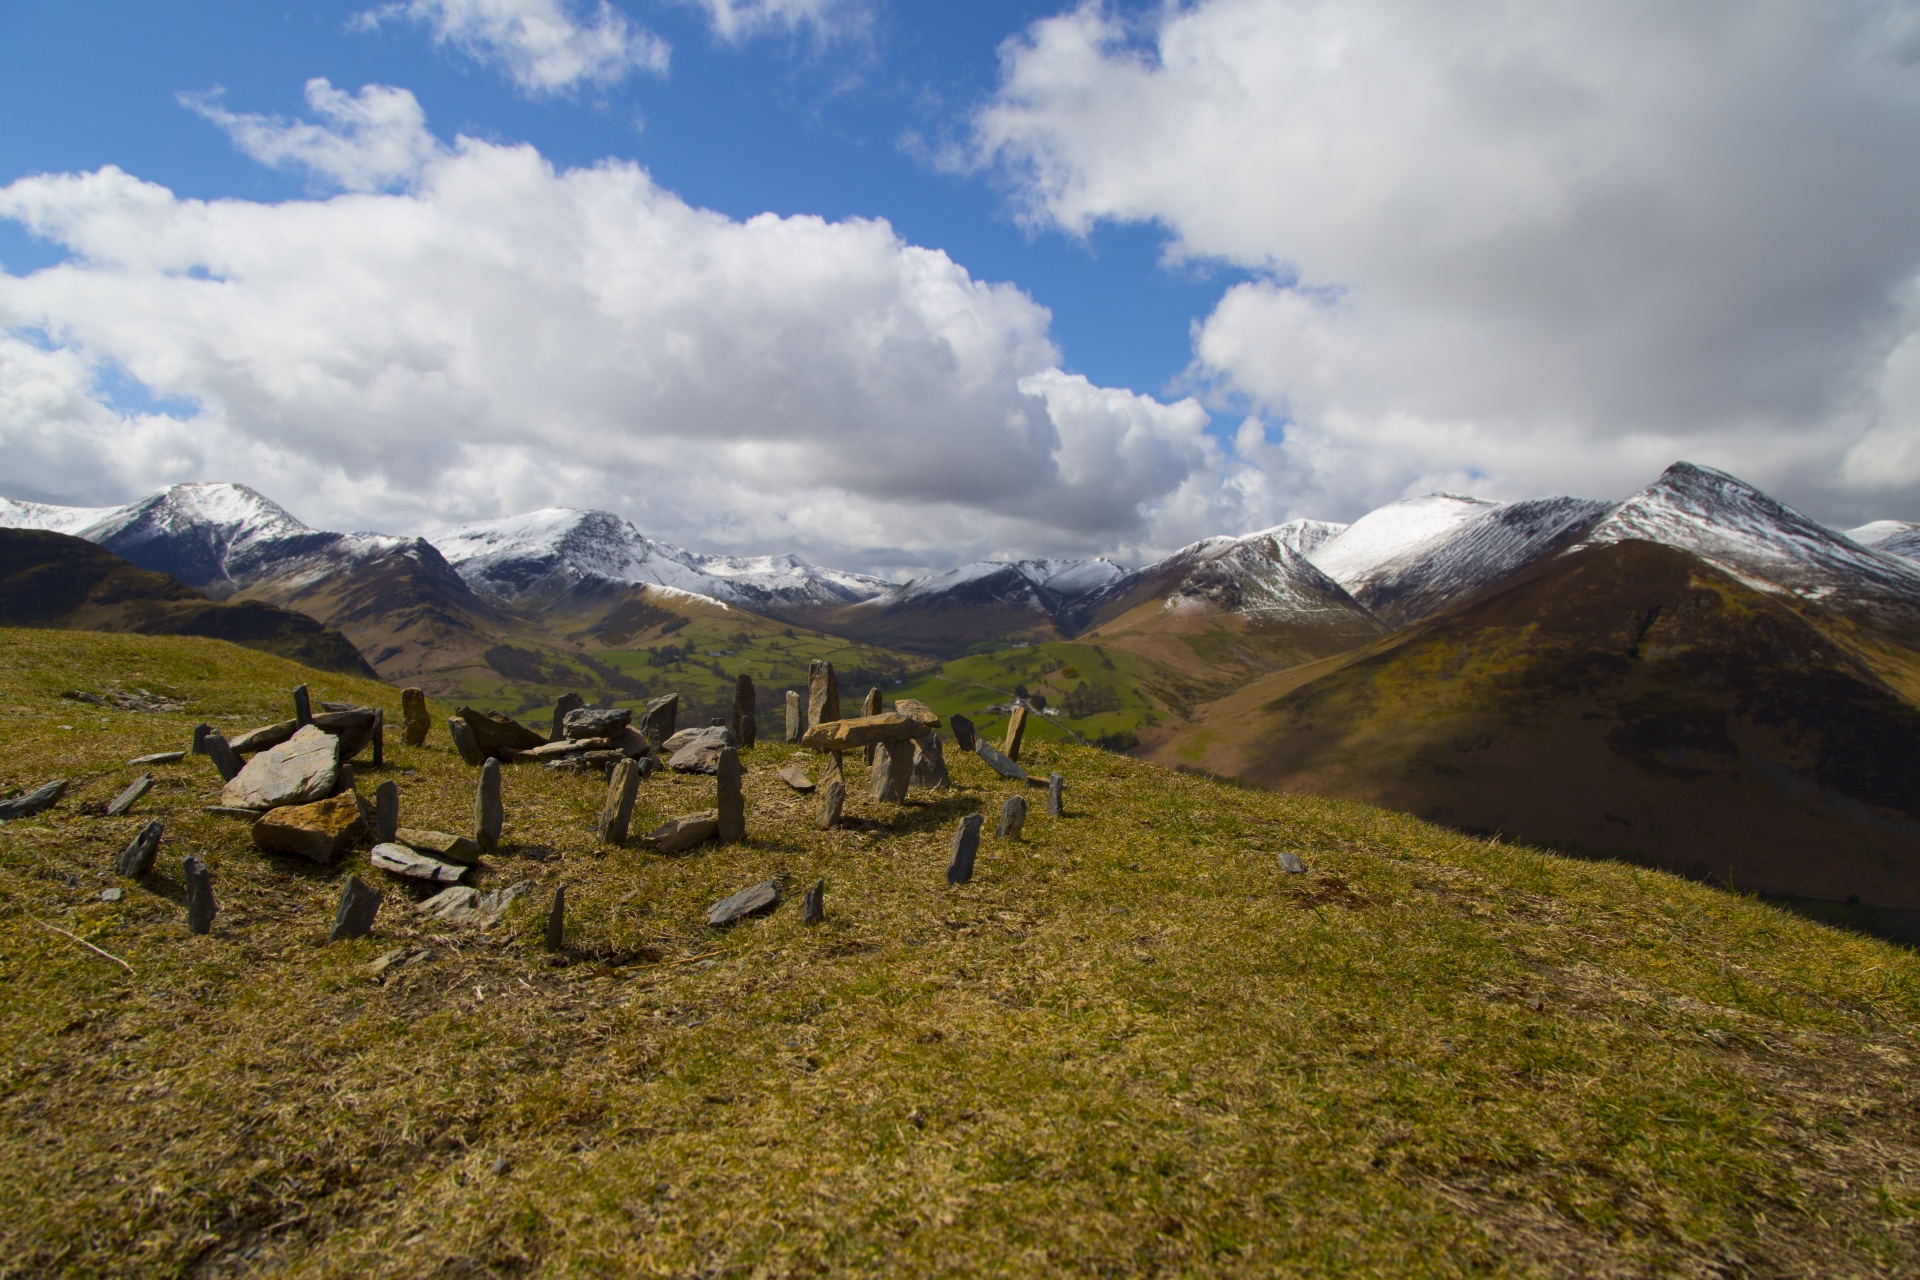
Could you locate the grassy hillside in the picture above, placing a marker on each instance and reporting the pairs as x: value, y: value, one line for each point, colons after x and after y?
x: 1133, y: 1045
x: 1101, y: 693
x: 1629, y: 700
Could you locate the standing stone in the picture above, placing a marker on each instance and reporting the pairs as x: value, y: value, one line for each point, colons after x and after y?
x: 966, y: 843
x: 930, y: 764
x: 353, y: 917
x: 813, y: 907
x: 870, y: 706
x: 215, y: 745
x: 997, y: 762
x: 379, y: 737
x: 1013, y: 816
x: 463, y: 740
x: 732, y: 808
x: 796, y: 716
x: 892, y: 771
x: 962, y: 732
x: 617, y: 813
x: 1056, y: 800
x: 302, y: 706
x: 1016, y: 730
x: 557, y: 920
x: 137, y: 858
x: 658, y: 720
x: 386, y: 811
x: 200, y: 732
x: 413, y: 712
x: 833, y: 798
x: 488, y: 811
x: 128, y: 798
x: 200, y: 906
x: 569, y: 702
x: 823, y: 694
x: 745, y: 708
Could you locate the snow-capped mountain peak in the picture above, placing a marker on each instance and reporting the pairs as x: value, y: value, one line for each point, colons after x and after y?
x: 54, y: 519
x: 1370, y: 545
x: 1895, y: 537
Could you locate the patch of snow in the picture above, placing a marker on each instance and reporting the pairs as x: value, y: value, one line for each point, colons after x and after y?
x: 1393, y: 533
x: 42, y: 515
x: 1895, y: 537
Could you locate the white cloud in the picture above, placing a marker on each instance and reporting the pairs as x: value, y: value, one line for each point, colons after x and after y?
x: 544, y: 46
x: 501, y: 336
x: 366, y: 141
x: 1536, y: 247
x: 735, y: 21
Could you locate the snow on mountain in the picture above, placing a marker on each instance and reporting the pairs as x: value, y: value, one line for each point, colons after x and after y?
x: 1372, y: 545
x: 1043, y: 586
x: 41, y: 515
x: 1303, y: 536
x: 1766, y: 544
x: 1895, y: 537
x: 550, y: 552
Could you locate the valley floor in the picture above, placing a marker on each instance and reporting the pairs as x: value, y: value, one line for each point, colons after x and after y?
x: 1133, y: 1045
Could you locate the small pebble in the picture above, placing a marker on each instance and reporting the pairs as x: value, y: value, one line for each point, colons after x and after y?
x: 501, y: 1165
x: 1291, y: 864
x: 110, y: 895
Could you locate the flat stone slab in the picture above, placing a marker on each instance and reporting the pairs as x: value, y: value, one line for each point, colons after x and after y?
x: 402, y: 861
x: 232, y: 811
x: 863, y: 731
x: 131, y: 796
x: 997, y: 761
x: 36, y: 801
x: 160, y: 757
x: 677, y: 835
x: 595, y: 722
x: 464, y: 905
x: 319, y: 832
x: 796, y: 779
x: 439, y: 844
x: 265, y: 738
x: 687, y: 737
x: 300, y: 770
x: 563, y: 748
x: 755, y: 899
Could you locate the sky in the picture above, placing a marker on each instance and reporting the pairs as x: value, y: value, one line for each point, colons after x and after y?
x: 894, y: 286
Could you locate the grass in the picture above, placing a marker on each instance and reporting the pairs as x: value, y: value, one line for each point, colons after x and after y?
x: 1131, y: 1046
x: 1053, y: 669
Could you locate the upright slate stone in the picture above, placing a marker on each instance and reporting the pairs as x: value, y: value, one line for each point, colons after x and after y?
x: 658, y: 721
x: 832, y: 791
x: 870, y: 706
x: 813, y: 907
x: 200, y: 732
x: 386, y: 811
x: 962, y: 732
x: 930, y: 764
x: 616, y: 815
x: 796, y: 716
x: 732, y: 806
x: 557, y: 920
x: 229, y: 764
x: 489, y: 813
x: 1013, y: 817
x: 823, y: 694
x: 966, y: 843
x: 379, y: 737
x: 568, y: 702
x: 200, y: 907
x: 137, y: 858
x: 892, y: 771
x: 1016, y: 730
x: 302, y: 706
x: 414, y: 714
x: 353, y: 917
x: 463, y: 741
x: 1056, y: 799
x: 745, y: 709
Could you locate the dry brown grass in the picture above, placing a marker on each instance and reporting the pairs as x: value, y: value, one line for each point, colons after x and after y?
x: 1131, y: 1046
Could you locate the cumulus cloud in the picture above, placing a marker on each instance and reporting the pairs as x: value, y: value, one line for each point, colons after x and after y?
x: 366, y: 141
x: 735, y: 21
x: 501, y: 335
x: 1524, y: 247
x: 545, y: 47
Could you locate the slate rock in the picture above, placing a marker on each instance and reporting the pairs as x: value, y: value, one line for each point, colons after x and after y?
x: 719, y: 733
x: 1013, y: 817
x: 464, y: 905
x: 833, y: 799
x: 892, y: 772
x: 600, y: 762
x: 131, y: 796
x: 353, y: 916
x: 464, y: 742
x: 870, y: 706
x: 862, y: 731
x: 796, y: 716
x: 557, y: 920
x: 402, y: 861
x: 730, y: 810
x: 702, y: 754
x: 963, y: 734
x: 137, y: 858
x: 966, y: 844
x: 489, y: 811
x: 38, y: 800
x: 386, y: 811
x: 1056, y: 795
x: 930, y: 764
x: 616, y: 814
x: 1016, y: 731
x: 302, y: 705
x: 1291, y: 864
x: 998, y: 762
x: 300, y: 770
x: 916, y: 710
x: 214, y: 746
x: 265, y: 738
x: 320, y: 831
x: 563, y: 748
x: 160, y: 757
x: 813, y: 907
x: 596, y: 722
x: 200, y: 904
x: 568, y: 704
x: 823, y: 694
x: 355, y: 727
x: 743, y: 722
x: 757, y: 899
x: 443, y: 845
x: 658, y: 720
x: 496, y: 735
x: 677, y: 835
x: 796, y: 779
x: 414, y: 716
x: 398, y: 958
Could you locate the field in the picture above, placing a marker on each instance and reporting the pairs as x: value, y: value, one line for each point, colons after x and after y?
x: 1133, y: 1045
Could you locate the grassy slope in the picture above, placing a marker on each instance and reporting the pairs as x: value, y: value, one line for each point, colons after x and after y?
x: 1131, y: 1046
x: 968, y: 685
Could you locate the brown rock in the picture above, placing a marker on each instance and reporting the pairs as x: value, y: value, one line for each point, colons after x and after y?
x: 300, y: 770
x: 489, y: 811
x: 892, y: 771
x: 677, y: 835
x: 413, y: 711
x: 914, y: 709
x: 796, y: 779
x: 616, y: 815
x: 930, y: 763
x: 658, y: 720
x: 848, y: 735
x: 496, y: 735
x: 833, y: 800
x: 796, y: 716
x: 464, y: 742
x: 869, y: 706
x: 1016, y: 730
x: 441, y: 844
x: 823, y: 694
x: 319, y: 832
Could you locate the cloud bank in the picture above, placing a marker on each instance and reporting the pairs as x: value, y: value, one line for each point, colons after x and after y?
x: 1514, y: 247
x: 498, y: 335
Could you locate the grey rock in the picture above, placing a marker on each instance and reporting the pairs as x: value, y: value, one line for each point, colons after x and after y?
x: 355, y: 727
x: 386, y: 811
x: 596, y: 722
x: 755, y: 899
x: 137, y: 858
x: 464, y: 905
x: 443, y: 845
x: 160, y: 757
x: 966, y: 843
x: 797, y: 779
x: 353, y: 917
x: 225, y: 762
x: 265, y: 738
x: 489, y: 812
x: 823, y: 694
x: 402, y: 861
x: 557, y: 920
x: 563, y: 748
x: 600, y: 762
x: 616, y: 813
x: 870, y: 706
x: 200, y: 904
x: 414, y: 716
x: 997, y: 761
x: 796, y: 716
x: 1013, y: 817
x: 302, y: 706
x: 463, y: 740
x: 677, y: 835
x: 200, y: 732
x: 719, y: 733
x: 745, y: 708
x: 300, y: 770
x: 832, y: 791
x: 731, y: 807
x: 892, y: 771
x: 930, y: 764
x: 701, y: 754
x: 131, y: 796
x: 813, y: 907
x: 39, y: 800
x: 398, y: 958
x: 658, y: 720
x: 497, y: 735
x: 963, y: 732
x: 1291, y: 864
x: 379, y: 739
x: 568, y: 703
x: 1056, y: 795
x: 112, y: 895
x: 232, y: 811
